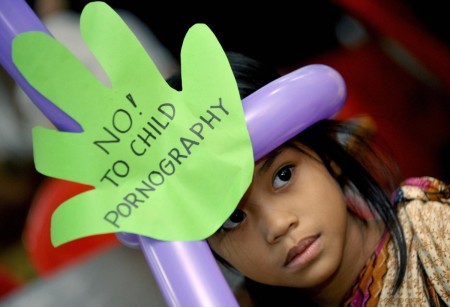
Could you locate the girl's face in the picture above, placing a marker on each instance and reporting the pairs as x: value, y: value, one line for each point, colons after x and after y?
x: 291, y: 227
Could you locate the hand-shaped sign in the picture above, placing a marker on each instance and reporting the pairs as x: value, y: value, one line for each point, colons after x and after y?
x: 166, y: 164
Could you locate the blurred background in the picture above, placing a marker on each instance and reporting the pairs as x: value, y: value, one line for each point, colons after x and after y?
x: 393, y: 54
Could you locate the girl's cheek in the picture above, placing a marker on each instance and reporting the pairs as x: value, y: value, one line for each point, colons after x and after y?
x: 219, y: 243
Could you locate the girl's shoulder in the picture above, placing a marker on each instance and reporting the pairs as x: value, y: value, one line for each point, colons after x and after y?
x: 423, y: 208
x: 425, y: 189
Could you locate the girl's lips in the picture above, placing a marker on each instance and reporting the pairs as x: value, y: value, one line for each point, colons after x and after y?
x: 298, y: 252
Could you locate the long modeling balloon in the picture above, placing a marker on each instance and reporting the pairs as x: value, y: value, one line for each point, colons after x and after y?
x: 17, y: 17
x: 186, y: 271
x: 285, y: 107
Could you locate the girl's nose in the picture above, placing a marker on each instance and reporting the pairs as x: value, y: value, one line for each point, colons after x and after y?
x: 276, y: 223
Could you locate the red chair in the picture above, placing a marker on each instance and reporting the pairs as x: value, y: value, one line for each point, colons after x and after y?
x: 408, y: 106
x: 8, y: 282
x: 396, y: 20
x: 45, y: 258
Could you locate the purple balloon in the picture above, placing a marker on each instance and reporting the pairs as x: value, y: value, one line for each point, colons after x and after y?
x: 16, y: 17
x: 196, y: 279
x: 285, y: 107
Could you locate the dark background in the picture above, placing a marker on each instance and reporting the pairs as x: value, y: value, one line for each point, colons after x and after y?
x: 282, y: 33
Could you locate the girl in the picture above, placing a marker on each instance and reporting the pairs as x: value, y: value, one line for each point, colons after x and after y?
x: 317, y: 225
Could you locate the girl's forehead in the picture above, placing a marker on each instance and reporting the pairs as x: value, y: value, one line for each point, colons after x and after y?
x: 268, y: 159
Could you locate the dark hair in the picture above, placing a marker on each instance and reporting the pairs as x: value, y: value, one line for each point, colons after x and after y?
x: 250, y: 74
x: 366, y: 170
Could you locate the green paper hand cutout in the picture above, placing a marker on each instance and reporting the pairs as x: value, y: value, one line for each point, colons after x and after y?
x: 166, y: 164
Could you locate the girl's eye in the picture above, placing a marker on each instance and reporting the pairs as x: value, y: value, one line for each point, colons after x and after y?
x: 234, y: 220
x: 282, y: 177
